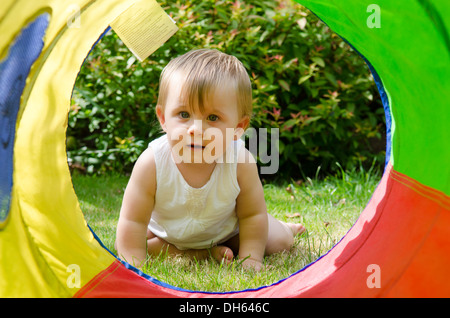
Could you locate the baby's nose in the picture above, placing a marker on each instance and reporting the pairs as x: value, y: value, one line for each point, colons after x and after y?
x: 196, y: 128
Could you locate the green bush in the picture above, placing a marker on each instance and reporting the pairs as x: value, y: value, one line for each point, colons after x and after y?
x: 307, y: 82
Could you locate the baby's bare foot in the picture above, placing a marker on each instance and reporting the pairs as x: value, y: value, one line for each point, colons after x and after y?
x: 296, y: 228
x: 222, y: 253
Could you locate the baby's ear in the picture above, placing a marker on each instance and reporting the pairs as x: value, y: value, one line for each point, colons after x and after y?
x: 241, y: 127
x: 160, y: 115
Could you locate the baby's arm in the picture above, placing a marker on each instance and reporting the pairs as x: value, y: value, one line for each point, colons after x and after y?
x: 252, y: 213
x: 137, y: 206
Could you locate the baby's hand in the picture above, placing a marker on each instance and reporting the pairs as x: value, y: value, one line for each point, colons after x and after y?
x: 250, y: 263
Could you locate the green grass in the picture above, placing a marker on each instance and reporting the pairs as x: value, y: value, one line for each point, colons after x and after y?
x: 327, y: 208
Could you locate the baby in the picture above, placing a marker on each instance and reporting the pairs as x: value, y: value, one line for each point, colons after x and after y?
x: 196, y: 191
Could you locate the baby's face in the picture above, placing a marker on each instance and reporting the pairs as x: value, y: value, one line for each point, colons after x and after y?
x: 201, y: 137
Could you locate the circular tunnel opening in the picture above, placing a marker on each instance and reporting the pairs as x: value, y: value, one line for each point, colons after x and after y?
x: 308, y: 83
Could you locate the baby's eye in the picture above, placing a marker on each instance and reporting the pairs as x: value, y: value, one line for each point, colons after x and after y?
x: 213, y: 117
x: 184, y: 115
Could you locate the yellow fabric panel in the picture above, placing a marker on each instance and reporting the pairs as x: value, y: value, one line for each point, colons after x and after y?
x: 46, y: 231
x: 23, y: 271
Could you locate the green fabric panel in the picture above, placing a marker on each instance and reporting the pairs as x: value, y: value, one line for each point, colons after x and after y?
x: 410, y: 51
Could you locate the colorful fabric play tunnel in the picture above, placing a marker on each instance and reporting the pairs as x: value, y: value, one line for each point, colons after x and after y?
x: 403, y: 235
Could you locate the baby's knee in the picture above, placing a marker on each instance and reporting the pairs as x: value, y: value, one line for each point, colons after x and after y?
x: 285, y: 243
x: 279, y: 243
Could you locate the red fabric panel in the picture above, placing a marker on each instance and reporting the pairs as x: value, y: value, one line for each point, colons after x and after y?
x: 427, y: 274
x: 118, y: 281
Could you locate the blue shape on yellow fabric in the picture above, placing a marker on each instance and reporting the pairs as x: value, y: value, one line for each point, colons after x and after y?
x: 14, y: 70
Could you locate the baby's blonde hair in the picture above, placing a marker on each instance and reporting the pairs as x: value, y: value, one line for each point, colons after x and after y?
x: 204, y: 70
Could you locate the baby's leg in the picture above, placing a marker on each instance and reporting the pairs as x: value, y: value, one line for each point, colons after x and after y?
x: 156, y: 245
x: 281, y: 235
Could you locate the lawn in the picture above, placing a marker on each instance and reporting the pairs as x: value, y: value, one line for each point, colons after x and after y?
x: 327, y: 207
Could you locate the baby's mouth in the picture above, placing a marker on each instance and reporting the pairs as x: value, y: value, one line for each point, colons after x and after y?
x: 193, y: 146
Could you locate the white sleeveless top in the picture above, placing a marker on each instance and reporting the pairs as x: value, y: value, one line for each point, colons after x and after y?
x: 190, y: 217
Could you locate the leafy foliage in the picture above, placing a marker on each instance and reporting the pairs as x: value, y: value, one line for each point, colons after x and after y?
x: 307, y: 82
